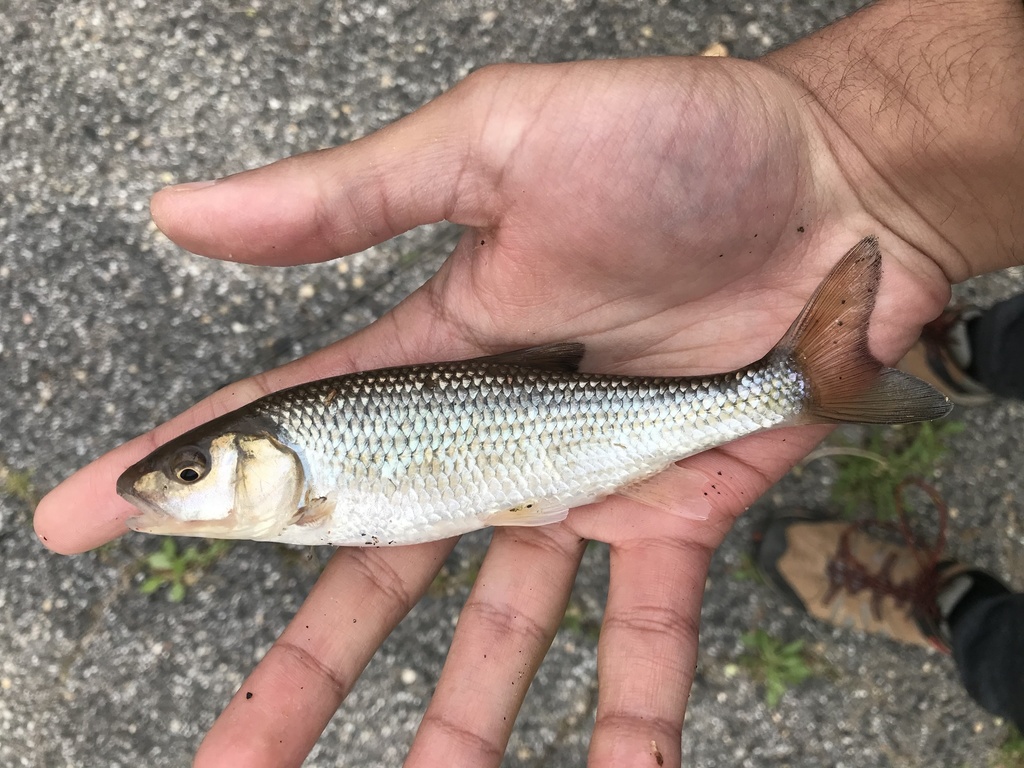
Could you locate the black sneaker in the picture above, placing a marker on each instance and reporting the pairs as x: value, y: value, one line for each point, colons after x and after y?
x: 942, y: 355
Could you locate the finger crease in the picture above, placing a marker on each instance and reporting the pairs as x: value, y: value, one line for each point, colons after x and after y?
x: 683, y: 548
x: 672, y: 728
x: 500, y: 620
x: 304, y: 658
x: 384, y: 579
x: 652, y: 620
x: 557, y: 542
x: 326, y: 220
x: 463, y: 735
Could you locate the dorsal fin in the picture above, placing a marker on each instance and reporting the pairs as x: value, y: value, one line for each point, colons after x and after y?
x: 561, y: 356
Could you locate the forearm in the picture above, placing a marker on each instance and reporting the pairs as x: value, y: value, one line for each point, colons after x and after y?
x: 922, y: 103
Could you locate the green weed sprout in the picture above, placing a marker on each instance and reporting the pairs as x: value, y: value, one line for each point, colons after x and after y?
x: 1011, y: 752
x: 179, y: 570
x: 779, y: 666
x: 870, y: 474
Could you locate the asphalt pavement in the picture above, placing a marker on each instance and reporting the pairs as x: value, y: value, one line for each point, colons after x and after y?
x: 106, y: 329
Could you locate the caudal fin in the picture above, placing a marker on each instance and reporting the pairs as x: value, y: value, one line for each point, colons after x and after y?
x: 828, y: 343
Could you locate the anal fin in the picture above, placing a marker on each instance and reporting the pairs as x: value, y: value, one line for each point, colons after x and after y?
x: 671, y: 490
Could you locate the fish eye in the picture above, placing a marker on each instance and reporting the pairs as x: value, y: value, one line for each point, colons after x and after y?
x: 189, y: 464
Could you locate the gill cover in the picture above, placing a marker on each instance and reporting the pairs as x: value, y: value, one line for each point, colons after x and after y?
x: 231, y: 486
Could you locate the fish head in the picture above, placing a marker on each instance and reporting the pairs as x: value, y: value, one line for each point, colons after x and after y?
x: 229, y: 485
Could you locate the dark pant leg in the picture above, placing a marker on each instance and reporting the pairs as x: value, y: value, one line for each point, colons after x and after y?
x: 987, y: 626
x: 997, y: 348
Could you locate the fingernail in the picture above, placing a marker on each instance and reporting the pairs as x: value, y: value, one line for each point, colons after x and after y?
x: 192, y: 186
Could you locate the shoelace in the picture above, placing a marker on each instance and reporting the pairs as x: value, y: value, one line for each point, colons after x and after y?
x: 847, y: 573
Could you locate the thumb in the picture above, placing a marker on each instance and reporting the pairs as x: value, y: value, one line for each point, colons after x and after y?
x: 324, y: 204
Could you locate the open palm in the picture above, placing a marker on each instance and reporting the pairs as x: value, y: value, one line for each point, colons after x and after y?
x: 673, y: 214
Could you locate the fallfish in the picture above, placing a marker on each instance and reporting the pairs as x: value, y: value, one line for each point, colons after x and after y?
x: 424, y: 452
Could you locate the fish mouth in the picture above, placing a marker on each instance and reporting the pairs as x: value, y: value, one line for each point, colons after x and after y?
x: 151, y: 519
x: 147, y: 522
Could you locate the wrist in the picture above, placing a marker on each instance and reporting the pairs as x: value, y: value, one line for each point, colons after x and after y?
x: 922, y: 104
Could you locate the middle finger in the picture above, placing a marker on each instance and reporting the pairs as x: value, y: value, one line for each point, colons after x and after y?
x: 504, y: 631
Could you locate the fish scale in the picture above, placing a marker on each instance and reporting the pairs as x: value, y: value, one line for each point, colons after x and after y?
x: 508, y: 435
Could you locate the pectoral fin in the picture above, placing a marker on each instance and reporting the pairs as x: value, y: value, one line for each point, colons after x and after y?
x: 315, y: 511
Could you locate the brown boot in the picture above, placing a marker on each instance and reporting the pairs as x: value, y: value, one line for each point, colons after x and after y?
x: 841, y: 574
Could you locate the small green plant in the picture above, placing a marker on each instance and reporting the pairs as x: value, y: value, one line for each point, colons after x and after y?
x: 779, y: 666
x: 179, y: 570
x: 410, y: 257
x: 747, y: 570
x: 301, y: 558
x: 1010, y: 753
x: 870, y: 474
x: 578, y: 621
x: 18, y: 485
x: 447, y: 582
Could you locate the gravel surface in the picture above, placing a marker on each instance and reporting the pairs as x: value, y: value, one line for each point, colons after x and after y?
x: 106, y: 329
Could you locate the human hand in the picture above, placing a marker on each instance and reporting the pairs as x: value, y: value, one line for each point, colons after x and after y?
x: 675, y: 215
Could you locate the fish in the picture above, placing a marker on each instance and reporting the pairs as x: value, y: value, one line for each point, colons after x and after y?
x: 417, y: 453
